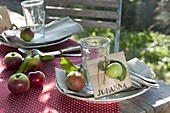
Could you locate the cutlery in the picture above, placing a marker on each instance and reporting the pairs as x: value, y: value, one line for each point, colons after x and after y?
x: 142, y: 77
x: 136, y: 85
x: 143, y: 82
x: 53, y: 53
x: 69, y: 49
x: 70, y: 55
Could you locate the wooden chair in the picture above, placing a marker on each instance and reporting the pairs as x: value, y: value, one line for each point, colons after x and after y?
x: 89, y: 13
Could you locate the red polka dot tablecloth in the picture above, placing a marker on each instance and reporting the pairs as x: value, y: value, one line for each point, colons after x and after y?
x: 46, y: 99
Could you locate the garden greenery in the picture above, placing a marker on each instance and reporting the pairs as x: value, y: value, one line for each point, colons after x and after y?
x: 151, y: 47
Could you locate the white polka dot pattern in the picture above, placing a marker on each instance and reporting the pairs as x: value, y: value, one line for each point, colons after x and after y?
x: 46, y: 99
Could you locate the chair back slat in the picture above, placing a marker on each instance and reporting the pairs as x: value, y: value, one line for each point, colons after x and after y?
x: 90, y: 13
x: 98, y: 24
x: 82, y: 12
x: 95, y: 3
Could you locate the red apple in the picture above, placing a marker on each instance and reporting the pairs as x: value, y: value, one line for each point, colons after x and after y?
x: 18, y: 83
x: 75, y: 81
x: 36, y: 78
x: 13, y: 60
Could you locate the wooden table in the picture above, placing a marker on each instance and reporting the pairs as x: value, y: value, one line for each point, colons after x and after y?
x: 152, y: 101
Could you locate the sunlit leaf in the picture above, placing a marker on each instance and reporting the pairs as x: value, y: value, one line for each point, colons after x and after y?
x: 67, y: 65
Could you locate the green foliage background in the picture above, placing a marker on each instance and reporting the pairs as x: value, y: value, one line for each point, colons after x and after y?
x: 151, y: 47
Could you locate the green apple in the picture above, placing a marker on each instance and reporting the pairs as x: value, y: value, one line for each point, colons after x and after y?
x: 27, y: 34
x: 0, y: 19
x: 114, y: 70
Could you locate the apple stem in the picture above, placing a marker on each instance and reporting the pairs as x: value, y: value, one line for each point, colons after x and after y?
x: 12, y: 27
x: 13, y: 54
x: 79, y: 69
x: 32, y: 54
x: 17, y: 76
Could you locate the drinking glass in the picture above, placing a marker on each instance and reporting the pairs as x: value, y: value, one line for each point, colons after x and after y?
x: 34, y: 13
x: 91, y: 48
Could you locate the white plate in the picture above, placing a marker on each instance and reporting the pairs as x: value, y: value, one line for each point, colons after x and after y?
x: 38, y: 45
x: 111, y: 98
x: 128, y: 94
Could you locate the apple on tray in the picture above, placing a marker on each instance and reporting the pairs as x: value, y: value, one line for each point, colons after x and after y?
x: 18, y: 83
x: 36, y: 78
x: 13, y: 60
x: 27, y: 34
x: 75, y: 81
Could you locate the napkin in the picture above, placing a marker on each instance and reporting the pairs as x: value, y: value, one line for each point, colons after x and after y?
x: 57, y: 30
x: 139, y: 67
x: 17, y: 18
x: 54, y: 31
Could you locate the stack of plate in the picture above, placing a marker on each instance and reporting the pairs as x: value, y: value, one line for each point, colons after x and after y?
x: 55, y: 33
